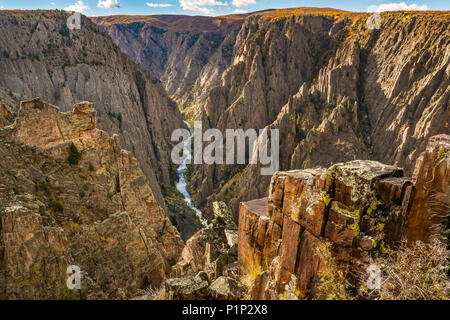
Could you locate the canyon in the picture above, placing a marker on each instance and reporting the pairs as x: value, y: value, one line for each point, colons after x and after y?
x: 86, y: 179
x: 335, y: 89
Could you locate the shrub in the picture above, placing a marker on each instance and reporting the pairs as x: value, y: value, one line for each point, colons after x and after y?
x: 74, y: 154
x: 56, y: 205
x: 91, y: 167
x: 73, y: 227
x: 64, y: 30
x: 158, y: 293
x: 250, y: 275
x: 416, y: 272
x: 16, y: 191
x: 43, y: 185
x: 67, y: 294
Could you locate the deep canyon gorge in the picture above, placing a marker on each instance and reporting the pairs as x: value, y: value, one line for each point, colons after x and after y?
x: 86, y: 118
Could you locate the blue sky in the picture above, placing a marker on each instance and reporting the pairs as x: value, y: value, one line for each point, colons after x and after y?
x: 213, y: 7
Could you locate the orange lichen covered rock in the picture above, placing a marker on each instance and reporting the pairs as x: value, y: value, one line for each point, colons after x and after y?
x: 357, y: 206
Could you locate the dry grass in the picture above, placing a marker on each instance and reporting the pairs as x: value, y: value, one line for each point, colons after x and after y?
x: 417, y: 272
x: 158, y: 293
x: 249, y: 276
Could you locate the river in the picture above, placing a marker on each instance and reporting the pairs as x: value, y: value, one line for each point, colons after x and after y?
x: 181, y: 184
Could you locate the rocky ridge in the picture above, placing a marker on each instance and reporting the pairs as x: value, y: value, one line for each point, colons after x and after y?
x: 95, y: 211
x: 356, y: 209
x: 42, y: 58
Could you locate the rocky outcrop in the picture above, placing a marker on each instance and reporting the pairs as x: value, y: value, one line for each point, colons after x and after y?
x: 188, y: 288
x: 42, y: 58
x: 430, y: 209
x: 342, y: 204
x: 358, y: 206
x: 225, y: 288
x: 96, y: 212
x: 6, y: 116
x: 207, y: 267
x: 212, y: 248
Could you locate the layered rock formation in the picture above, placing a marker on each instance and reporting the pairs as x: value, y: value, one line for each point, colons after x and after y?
x: 360, y: 206
x: 356, y: 103
x: 431, y: 202
x: 336, y: 90
x: 69, y: 195
x: 42, y: 58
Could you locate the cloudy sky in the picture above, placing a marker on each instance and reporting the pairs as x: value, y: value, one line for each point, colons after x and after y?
x: 213, y: 7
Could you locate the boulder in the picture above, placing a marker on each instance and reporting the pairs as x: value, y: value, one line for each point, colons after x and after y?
x: 225, y: 288
x: 194, y: 287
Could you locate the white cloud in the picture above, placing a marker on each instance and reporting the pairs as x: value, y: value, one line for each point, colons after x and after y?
x: 79, y: 6
x: 243, y: 3
x: 108, y: 4
x: 52, y: 4
x: 154, y: 5
x: 201, y: 5
x: 400, y: 6
x: 238, y: 11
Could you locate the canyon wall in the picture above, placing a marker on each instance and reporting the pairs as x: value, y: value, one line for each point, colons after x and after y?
x: 188, y: 54
x: 336, y: 90
x: 42, y: 58
x: 69, y: 195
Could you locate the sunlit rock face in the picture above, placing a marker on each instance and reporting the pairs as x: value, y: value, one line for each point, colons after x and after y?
x: 431, y: 202
x: 97, y: 213
x: 42, y: 58
x: 359, y: 206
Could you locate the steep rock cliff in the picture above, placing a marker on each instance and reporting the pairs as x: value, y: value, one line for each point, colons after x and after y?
x: 188, y: 54
x: 42, y: 58
x: 95, y: 211
x: 358, y: 206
